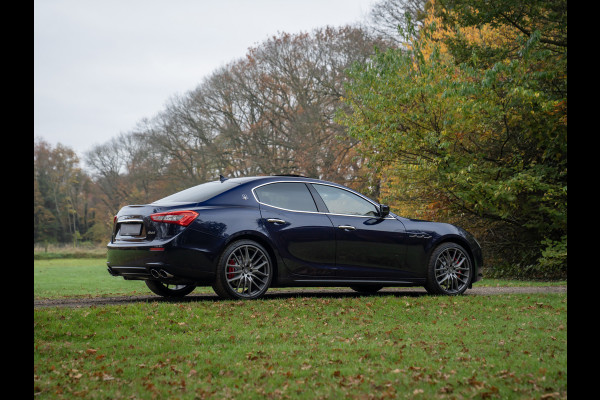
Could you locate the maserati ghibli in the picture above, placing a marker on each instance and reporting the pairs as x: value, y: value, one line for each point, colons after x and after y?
x: 244, y: 235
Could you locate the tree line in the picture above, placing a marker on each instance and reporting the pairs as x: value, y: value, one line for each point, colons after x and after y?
x: 446, y: 110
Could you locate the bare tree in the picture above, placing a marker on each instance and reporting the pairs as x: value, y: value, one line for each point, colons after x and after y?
x: 271, y: 112
x: 388, y: 16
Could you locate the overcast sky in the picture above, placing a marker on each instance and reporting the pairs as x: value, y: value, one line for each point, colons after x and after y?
x: 100, y: 66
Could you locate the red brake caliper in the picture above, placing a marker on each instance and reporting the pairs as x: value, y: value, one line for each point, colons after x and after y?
x: 457, y: 273
x: 230, y: 269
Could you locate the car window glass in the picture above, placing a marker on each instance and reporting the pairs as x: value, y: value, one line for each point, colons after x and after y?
x: 198, y: 193
x: 340, y: 201
x: 289, y: 195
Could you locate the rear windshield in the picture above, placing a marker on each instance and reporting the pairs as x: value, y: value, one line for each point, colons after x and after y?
x: 197, y: 194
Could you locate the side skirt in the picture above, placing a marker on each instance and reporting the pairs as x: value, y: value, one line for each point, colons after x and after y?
x: 349, y: 282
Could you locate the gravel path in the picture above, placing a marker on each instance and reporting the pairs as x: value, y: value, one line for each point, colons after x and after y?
x: 286, y: 293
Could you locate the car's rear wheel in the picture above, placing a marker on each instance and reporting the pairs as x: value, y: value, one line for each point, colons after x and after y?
x: 169, y: 290
x: 449, y: 271
x: 244, y: 271
x: 368, y: 289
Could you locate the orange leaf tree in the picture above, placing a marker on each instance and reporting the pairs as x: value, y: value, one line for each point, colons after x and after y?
x: 469, y: 119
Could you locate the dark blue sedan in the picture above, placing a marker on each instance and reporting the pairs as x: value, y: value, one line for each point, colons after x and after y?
x: 244, y: 235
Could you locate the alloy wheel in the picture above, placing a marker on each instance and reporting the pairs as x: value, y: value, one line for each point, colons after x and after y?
x: 248, y: 271
x: 452, y: 270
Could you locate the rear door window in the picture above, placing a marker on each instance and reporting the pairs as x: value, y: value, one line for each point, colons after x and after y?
x: 293, y: 196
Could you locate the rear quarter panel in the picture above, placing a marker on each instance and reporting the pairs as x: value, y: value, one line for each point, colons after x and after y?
x: 231, y: 216
x: 228, y: 222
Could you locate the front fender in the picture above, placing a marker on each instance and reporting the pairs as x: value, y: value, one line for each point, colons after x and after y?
x: 424, y: 236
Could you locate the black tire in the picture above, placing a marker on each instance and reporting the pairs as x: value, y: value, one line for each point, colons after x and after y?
x: 449, y: 271
x: 244, y: 271
x: 169, y: 290
x: 367, y: 289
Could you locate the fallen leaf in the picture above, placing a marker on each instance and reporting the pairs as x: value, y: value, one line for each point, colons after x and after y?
x: 549, y: 396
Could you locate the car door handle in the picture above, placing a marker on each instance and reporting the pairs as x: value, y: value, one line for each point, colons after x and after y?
x: 276, y: 221
x: 347, y: 227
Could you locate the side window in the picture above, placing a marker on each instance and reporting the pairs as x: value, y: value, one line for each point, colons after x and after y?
x: 289, y: 195
x: 340, y: 201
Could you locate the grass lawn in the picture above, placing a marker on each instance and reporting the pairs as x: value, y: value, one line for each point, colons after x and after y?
x: 512, y: 346
x: 79, y: 277
x: 388, y: 346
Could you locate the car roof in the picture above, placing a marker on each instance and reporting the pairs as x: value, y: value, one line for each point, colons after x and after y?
x: 231, y: 187
x: 252, y: 178
x: 279, y: 178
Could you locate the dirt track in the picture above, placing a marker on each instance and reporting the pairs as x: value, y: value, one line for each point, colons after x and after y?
x: 285, y: 293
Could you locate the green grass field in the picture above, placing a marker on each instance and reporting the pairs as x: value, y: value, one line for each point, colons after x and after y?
x: 79, y: 278
x: 382, y: 346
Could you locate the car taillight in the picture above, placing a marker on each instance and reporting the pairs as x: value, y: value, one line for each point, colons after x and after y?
x: 183, y: 218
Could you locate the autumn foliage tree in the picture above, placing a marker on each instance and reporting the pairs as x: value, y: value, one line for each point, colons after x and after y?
x: 470, y: 117
x: 61, y: 195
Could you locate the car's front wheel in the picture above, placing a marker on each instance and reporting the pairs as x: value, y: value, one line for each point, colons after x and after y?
x: 244, y: 271
x: 169, y: 290
x: 449, y: 271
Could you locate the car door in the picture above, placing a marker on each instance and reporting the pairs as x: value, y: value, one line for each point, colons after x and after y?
x: 304, y: 237
x: 367, y: 246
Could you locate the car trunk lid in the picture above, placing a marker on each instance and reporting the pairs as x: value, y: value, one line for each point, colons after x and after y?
x: 149, y: 222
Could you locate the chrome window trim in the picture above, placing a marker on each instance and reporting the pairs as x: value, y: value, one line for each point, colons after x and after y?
x: 281, y: 208
x: 317, y: 212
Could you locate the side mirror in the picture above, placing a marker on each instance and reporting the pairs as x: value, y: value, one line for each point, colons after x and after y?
x: 384, y: 210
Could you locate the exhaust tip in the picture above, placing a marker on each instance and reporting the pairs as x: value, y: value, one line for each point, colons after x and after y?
x: 154, y: 273
x: 165, y: 274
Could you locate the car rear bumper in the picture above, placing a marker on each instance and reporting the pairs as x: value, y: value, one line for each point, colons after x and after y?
x: 167, y: 263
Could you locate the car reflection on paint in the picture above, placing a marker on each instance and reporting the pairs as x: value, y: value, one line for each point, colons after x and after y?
x: 244, y: 235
